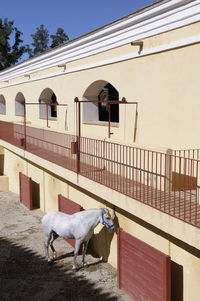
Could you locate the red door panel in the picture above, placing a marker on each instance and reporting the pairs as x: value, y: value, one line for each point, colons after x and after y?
x: 25, y: 184
x: 143, y: 272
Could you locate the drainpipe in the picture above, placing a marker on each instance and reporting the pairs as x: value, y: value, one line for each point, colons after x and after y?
x: 109, y: 116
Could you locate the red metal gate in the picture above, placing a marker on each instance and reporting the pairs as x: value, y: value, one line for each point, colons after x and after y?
x: 144, y: 273
x: 67, y: 206
x: 25, y: 184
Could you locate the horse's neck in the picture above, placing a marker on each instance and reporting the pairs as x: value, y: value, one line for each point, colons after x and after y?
x: 94, y: 218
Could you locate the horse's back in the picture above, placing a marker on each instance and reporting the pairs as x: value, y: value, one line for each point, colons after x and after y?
x: 52, y: 214
x: 53, y: 217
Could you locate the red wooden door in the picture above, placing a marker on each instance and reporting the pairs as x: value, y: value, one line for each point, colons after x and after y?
x: 144, y: 273
x: 67, y: 206
x: 25, y: 184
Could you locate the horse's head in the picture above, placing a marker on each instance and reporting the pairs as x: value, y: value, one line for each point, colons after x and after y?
x: 106, y: 219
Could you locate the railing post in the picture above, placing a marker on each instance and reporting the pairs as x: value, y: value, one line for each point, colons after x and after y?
x: 168, y: 170
x: 47, y: 115
x: 197, y: 192
x: 76, y: 100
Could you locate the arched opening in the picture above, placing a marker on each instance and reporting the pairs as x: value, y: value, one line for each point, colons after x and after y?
x: 48, y: 104
x: 2, y: 105
x: 19, y: 104
x: 98, y: 112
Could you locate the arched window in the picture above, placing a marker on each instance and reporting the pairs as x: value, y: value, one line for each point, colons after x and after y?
x: 2, y: 105
x: 48, y: 104
x: 99, y: 112
x: 19, y: 104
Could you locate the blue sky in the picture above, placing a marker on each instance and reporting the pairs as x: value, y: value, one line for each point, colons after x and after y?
x: 76, y: 17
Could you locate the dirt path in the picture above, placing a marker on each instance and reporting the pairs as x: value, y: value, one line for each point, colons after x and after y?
x: 25, y: 274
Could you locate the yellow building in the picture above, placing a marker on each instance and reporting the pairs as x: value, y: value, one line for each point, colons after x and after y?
x: 112, y: 117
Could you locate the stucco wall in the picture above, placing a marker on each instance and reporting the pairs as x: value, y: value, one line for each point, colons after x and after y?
x: 14, y: 164
x: 164, y: 84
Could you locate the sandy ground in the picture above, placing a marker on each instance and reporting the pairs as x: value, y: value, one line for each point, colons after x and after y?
x: 25, y: 274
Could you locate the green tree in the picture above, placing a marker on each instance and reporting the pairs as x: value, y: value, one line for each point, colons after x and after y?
x: 9, y: 54
x: 59, y: 38
x: 40, y: 41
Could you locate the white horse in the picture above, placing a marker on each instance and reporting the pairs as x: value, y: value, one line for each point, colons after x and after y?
x: 79, y: 226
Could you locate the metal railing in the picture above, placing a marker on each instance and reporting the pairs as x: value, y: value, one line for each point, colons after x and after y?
x: 188, y: 153
x: 164, y: 181
x: 167, y: 182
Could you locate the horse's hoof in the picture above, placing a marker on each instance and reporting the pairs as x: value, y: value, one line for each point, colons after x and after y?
x: 85, y: 265
x: 50, y: 261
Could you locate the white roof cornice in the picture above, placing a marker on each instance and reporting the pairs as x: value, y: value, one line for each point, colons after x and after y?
x: 154, y: 19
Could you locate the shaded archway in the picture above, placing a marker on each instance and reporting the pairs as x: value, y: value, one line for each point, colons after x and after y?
x: 19, y: 104
x: 100, y: 90
x: 48, y: 104
x: 2, y: 105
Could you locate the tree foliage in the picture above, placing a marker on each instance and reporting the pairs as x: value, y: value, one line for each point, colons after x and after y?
x: 41, y: 40
x: 11, y: 44
x: 59, y: 38
x: 9, y: 54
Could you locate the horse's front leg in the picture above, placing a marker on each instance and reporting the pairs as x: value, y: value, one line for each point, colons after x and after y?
x: 53, y: 236
x: 77, y: 246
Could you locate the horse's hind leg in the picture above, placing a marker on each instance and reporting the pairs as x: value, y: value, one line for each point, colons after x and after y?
x: 84, y: 250
x: 53, y: 237
x: 77, y: 246
x: 46, y: 243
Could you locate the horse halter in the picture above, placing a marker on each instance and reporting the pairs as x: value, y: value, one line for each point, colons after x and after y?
x: 110, y: 227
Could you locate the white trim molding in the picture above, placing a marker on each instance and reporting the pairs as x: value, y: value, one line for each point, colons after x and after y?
x: 157, y: 18
x: 166, y: 47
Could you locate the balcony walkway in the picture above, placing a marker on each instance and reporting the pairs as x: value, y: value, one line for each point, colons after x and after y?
x: 180, y: 204
x: 140, y: 174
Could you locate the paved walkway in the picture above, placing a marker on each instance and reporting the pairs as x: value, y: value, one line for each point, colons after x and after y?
x: 25, y: 274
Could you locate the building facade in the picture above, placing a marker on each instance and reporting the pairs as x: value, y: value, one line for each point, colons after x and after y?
x: 112, y: 117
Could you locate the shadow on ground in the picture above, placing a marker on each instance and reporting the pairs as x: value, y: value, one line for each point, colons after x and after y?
x: 26, y: 276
